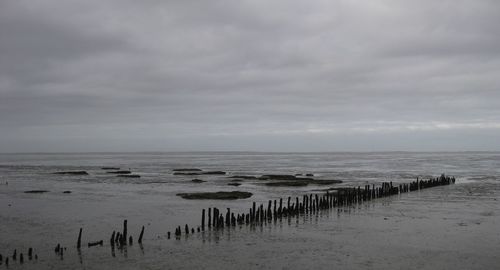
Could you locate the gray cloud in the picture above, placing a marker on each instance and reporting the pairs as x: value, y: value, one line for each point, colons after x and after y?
x: 189, y: 75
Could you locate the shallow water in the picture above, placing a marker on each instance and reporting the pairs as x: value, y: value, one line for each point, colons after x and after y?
x: 449, y: 227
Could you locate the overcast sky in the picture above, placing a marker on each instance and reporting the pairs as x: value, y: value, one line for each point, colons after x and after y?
x: 258, y: 75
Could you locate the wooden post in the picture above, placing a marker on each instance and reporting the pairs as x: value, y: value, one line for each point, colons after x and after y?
x: 261, y: 213
x: 310, y: 203
x: 274, y: 212
x: 79, y: 242
x: 118, y: 237
x: 112, y: 240
x: 140, y: 235
x: 253, y: 211
x: 124, y: 232
x: 303, y: 202
x: 317, y: 202
x: 203, y: 220
x: 280, y: 210
x: 296, y: 205
x: 214, y: 223
x: 269, y: 215
x: 306, y: 204
x: 288, y: 205
x: 209, y: 217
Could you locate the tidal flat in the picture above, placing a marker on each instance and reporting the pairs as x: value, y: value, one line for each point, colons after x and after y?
x: 445, y: 227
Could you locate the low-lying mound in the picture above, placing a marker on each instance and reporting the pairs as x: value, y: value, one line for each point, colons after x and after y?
x: 234, y: 184
x: 214, y: 173
x: 278, y: 177
x: 110, y: 168
x: 129, y: 175
x: 72, y: 173
x: 326, y: 182
x: 221, y: 195
x: 197, y: 181
x: 120, y: 172
x: 307, y: 174
x: 200, y: 173
x: 36, y: 191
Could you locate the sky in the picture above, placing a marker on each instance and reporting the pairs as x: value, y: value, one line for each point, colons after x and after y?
x: 250, y: 75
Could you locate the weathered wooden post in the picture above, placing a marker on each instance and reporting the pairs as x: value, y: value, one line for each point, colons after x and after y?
x: 317, y: 202
x: 288, y: 204
x: 112, y: 240
x: 215, y: 217
x: 253, y: 211
x: 203, y: 220
x: 306, y: 204
x: 124, y: 232
x: 303, y: 202
x: 79, y: 242
x: 209, y: 217
x: 118, y: 238
x: 280, y: 210
x: 310, y: 203
x: 261, y: 213
x: 269, y: 215
x: 274, y: 210
x: 296, y: 205
x: 141, y: 235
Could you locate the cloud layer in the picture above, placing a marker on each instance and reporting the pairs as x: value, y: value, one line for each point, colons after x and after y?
x: 249, y: 75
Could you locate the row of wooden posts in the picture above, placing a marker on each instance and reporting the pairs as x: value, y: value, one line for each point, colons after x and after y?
x: 31, y: 256
x: 312, y: 203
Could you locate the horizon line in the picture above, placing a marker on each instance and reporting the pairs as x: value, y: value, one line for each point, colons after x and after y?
x: 249, y: 152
